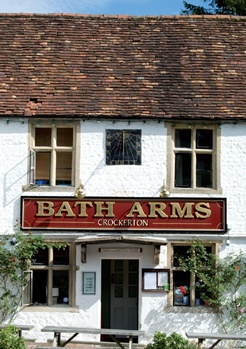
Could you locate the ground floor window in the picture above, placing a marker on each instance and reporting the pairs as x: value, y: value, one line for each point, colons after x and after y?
x: 185, y: 284
x: 51, y: 279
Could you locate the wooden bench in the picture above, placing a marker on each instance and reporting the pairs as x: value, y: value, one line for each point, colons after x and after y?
x: 20, y: 328
x: 115, y: 334
x: 218, y: 337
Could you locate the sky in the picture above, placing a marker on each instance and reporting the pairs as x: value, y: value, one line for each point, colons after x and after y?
x: 110, y: 7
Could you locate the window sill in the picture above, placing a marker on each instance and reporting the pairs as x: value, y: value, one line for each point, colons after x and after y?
x: 50, y: 309
x: 195, y: 191
x: 188, y: 309
x: 37, y: 188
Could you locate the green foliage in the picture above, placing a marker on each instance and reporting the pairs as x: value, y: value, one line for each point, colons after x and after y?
x: 9, y: 338
x: 225, y: 7
x: 174, y: 341
x: 15, y: 256
x: 221, y: 283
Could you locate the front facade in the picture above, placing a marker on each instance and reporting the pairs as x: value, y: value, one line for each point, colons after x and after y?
x: 124, y: 138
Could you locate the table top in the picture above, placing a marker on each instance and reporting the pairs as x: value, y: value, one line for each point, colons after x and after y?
x: 215, y: 335
x: 68, y: 329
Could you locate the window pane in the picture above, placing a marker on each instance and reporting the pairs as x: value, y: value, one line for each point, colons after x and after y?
x: 181, y: 286
x: 183, y: 138
x: 61, y: 256
x: 204, y: 139
x: 123, y: 147
x: 43, y: 168
x: 60, y: 287
x: 42, y: 136
x: 183, y: 170
x: 204, y: 170
x: 64, y: 168
x: 179, y: 252
x: 65, y: 137
x: 40, y: 279
x: 41, y: 257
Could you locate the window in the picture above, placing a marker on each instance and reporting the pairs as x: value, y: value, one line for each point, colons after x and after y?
x: 51, y: 278
x: 194, y: 158
x: 52, y: 160
x: 123, y: 147
x: 185, y: 285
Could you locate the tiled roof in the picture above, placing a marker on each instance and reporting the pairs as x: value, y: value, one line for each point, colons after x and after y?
x: 111, y: 66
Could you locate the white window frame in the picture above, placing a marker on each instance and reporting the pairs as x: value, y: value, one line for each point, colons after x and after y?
x: 52, y: 149
x: 171, y: 151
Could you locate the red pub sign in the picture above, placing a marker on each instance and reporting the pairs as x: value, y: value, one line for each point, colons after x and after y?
x: 124, y: 214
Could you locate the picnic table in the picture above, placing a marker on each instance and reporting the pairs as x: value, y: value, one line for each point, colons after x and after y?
x: 217, y: 336
x: 19, y: 327
x: 115, y: 334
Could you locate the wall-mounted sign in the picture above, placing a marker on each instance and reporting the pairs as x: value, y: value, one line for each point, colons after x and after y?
x: 89, y: 283
x: 124, y: 214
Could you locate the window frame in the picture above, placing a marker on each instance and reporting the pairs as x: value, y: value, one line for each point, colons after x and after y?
x: 27, y: 292
x: 53, y: 149
x: 172, y: 150
x: 192, y: 299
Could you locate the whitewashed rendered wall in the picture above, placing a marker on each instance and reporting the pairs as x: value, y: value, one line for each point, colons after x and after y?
x: 136, y: 181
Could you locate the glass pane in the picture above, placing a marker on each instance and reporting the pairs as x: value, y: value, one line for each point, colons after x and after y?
x: 60, y: 287
x: 118, y: 278
x: 61, y: 256
x: 118, y: 291
x: 41, y: 257
x: 42, y: 137
x: 64, y: 168
x: 204, y: 139
x: 181, y: 286
x: 132, y: 291
x: 133, y: 278
x: 179, y: 252
x: 133, y: 265
x: 43, y: 168
x: 65, y: 137
x: 40, y: 280
x: 118, y: 265
x: 204, y: 170
x: 183, y: 170
x: 183, y: 138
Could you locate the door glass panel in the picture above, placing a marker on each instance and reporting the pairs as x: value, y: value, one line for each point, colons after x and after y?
x: 43, y: 168
x: 42, y: 137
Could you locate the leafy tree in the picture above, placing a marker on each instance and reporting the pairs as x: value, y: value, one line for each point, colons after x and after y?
x: 221, y: 283
x: 225, y: 7
x: 15, y: 255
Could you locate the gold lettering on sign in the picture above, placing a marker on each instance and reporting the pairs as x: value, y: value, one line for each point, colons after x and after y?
x: 157, y: 207
x: 65, y: 208
x: 45, y: 208
x: 136, y: 208
x: 83, y: 205
x: 178, y: 212
x: 100, y: 208
x: 203, y: 212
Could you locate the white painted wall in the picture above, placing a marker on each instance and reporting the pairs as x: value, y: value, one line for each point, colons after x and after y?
x: 132, y: 181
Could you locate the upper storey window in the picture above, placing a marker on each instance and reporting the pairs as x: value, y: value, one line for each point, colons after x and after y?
x: 123, y: 147
x: 53, y: 155
x: 194, y: 157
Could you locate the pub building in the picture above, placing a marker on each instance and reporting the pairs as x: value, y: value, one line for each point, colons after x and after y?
x: 124, y: 138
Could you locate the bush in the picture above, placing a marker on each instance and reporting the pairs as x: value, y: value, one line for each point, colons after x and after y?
x: 9, y: 338
x: 174, y: 341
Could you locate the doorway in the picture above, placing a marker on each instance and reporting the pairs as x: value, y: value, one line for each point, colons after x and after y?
x: 119, y: 303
